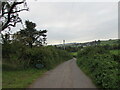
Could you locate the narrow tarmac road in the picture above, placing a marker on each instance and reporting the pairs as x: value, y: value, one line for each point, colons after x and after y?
x: 66, y: 75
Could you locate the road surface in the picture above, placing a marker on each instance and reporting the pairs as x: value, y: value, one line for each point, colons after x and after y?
x: 66, y: 75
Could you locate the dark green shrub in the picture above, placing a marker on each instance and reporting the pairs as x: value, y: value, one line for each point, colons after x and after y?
x: 24, y: 57
x: 100, y: 65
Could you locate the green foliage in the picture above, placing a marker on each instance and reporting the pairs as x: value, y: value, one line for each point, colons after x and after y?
x: 116, y: 55
x: 19, y: 70
x: 110, y: 42
x: 100, y: 65
x: 24, y: 57
x: 30, y: 35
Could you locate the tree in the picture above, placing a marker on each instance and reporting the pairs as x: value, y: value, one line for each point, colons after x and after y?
x: 30, y: 36
x: 5, y: 38
x: 6, y: 49
x: 99, y: 42
x: 9, y: 13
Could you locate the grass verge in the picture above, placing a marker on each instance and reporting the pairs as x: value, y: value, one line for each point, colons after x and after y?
x: 20, y: 78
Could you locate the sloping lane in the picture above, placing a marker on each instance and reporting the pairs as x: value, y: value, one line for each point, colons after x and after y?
x: 66, y: 75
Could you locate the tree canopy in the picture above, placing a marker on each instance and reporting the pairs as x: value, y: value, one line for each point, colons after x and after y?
x: 30, y: 36
x: 9, y: 13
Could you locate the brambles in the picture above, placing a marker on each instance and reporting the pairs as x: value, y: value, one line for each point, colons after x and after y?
x: 25, y: 57
x: 101, y: 65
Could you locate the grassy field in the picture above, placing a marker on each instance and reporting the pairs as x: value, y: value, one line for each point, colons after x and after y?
x: 74, y: 54
x: 20, y: 78
x: 109, y: 42
x: 115, y: 52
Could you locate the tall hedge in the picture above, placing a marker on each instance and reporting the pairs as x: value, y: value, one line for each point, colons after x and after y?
x: 24, y: 57
x: 101, y: 66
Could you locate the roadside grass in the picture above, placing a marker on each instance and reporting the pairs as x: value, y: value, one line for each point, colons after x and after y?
x: 14, y: 77
x: 20, y: 78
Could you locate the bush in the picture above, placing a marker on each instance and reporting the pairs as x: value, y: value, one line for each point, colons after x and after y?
x: 25, y: 57
x: 100, y: 65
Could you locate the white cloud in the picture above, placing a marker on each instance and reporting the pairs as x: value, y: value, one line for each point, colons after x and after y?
x: 74, y: 21
x: 74, y: 0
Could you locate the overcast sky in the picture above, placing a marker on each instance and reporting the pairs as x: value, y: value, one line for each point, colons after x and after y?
x: 74, y: 21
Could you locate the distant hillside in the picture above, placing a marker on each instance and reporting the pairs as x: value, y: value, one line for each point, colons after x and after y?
x: 109, y: 42
x: 98, y: 42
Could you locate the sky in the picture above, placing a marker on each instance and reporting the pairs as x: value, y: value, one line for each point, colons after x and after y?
x: 73, y: 21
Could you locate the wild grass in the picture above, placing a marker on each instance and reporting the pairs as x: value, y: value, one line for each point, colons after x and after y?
x: 20, y: 78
